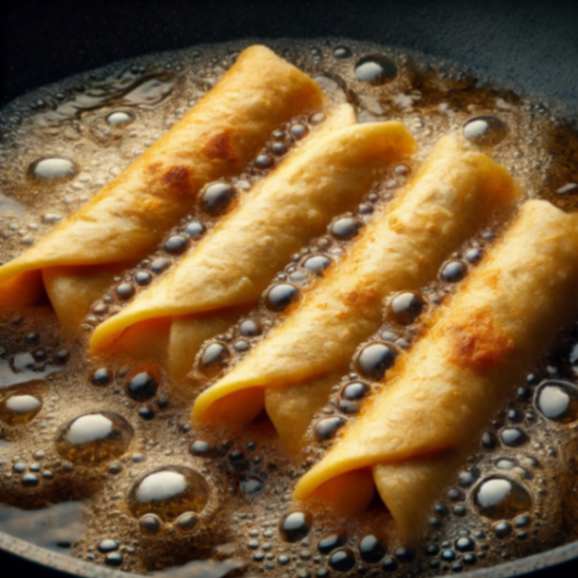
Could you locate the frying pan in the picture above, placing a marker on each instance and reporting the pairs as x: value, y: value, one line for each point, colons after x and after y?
x: 531, y: 47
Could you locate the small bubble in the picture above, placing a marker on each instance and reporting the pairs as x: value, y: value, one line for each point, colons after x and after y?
x: 473, y: 255
x: 355, y: 390
x: 298, y: 131
x: 101, y: 376
x: 216, y: 197
x: 374, y: 359
x: 19, y: 408
x: 169, y: 492
x: 176, y: 244
x: 142, y: 386
x: 465, y: 544
x: 251, y: 486
x: 327, y: 427
x: 513, y: 436
x: 213, y: 357
x: 329, y: 543
x: 485, y: 130
x: 342, y: 560
x: 30, y: 480
x: 557, y: 400
x: 201, y: 448
x: 125, y: 290
x: 241, y: 345
x: 264, y: 161
x: 94, y: 438
x: 150, y: 523
x: 143, y: 278
x: 488, y: 440
x: 406, y: 307
x: 295, y: 526
x: 146, y: 412
x: 371, y: 548
x: 342, y: 52
x: 448, y: 554
x: 389, y: 564
x: 317, y: 118
x: 160, y: 264
x: 120, y: 118
x: 502, y: 529
x: 187, y: 521
x: 345, y: 227
x: 375, y: 69
x: 317, y: 264
x: 52, y: 169
x: 108, y: 545
x: 453, y: 271
x: 278, y: 148
x: 249, y: 328
x: 114, y: 559
x: 279, y: 296
x: 500, y: 497
x: 194, y: 228
x: 404, y: 554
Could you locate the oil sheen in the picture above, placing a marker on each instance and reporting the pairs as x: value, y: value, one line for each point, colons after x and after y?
x: 101, y: 462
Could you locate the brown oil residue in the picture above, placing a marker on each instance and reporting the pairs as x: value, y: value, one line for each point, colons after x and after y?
x: 156, y: 494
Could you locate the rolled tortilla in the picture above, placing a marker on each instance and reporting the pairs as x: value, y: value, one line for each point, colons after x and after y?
x: 130, y: 215
x: 228, y: 270
x: 454, y: 193
x: 412, y: 435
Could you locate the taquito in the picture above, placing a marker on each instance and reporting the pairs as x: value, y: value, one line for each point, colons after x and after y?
x: 130, y: 215
x: 415, y: 431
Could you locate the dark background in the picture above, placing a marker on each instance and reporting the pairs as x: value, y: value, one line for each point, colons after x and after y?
x: 532, y: 46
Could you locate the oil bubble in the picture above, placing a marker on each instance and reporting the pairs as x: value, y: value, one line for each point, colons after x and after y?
x: 94, y: 438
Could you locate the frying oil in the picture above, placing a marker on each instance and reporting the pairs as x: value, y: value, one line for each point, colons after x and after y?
x: 102, y: 461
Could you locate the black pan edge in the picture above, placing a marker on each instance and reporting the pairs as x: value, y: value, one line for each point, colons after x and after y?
x: 27, y: 556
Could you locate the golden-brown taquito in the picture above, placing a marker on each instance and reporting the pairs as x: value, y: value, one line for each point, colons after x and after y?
x: 414, y: 432
x: 231, y: 266
x: 455, y: 192
x: 130, y: 215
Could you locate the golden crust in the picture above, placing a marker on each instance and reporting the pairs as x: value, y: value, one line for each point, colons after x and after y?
x: 459, y: 374
x: 216, y: 138
x: 479, y: 344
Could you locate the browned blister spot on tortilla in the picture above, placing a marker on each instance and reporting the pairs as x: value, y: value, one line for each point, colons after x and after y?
x: 359, y: 302
x: 177, y: 179
x: 479, y: 344
x: 153, y: 168
x: 361, y: 297
x: 220, y: 147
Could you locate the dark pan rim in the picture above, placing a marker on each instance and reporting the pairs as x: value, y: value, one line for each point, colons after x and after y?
x: 82, y: 569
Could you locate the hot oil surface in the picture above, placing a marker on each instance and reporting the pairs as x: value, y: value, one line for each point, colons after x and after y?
x: 151, y: 493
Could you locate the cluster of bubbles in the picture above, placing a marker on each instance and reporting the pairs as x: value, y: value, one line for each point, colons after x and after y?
x: 403, y: 318
x: 304, y: 268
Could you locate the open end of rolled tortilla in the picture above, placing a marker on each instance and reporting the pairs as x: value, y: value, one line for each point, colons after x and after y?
x: 292, y: 408
x: 236, y: 410
x: 21, y: 290
x: 406, y: 491
x: 346, y: 495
